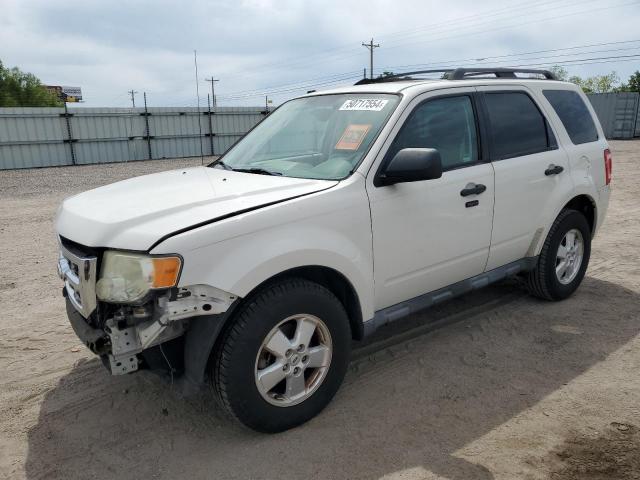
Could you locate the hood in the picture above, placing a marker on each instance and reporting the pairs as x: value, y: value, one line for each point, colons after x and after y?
x: 133, y: 214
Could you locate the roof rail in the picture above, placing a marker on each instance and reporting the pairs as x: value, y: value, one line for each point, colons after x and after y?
x: 460, y: 74
x: 401, y: 76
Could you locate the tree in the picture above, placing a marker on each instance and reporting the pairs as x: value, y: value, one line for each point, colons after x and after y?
x: 634, y: 82
x: 633, y: 85
x: 597, y: 83
x: 20, y: 89
x: 560, y: 73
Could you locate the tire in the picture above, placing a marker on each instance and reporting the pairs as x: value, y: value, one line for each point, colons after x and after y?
x: 290, y: 307
x: 544, y: 282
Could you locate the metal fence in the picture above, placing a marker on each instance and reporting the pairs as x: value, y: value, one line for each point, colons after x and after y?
x: 47, y: 137
x: 619, y: 113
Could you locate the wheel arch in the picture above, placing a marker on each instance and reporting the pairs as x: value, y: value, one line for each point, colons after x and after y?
x: 587, y: 206
x: 581, y: 202
x: 336, y: 283
x: 206, y: 333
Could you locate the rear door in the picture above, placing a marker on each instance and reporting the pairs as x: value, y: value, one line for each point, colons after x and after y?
x: 532, y: 175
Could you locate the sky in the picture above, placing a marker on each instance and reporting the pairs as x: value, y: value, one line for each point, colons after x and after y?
x: 282, y: 48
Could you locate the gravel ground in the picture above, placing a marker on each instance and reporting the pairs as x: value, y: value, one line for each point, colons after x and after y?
x: 494, y: 385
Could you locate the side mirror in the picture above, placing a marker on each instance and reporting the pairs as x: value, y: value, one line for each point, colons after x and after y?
x: 411, y: 165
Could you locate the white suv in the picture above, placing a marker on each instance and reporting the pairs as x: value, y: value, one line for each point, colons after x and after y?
x: 342, y: 211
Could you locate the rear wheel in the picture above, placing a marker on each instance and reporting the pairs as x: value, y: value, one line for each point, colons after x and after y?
x: 284, y: 355
x: 563, y: 259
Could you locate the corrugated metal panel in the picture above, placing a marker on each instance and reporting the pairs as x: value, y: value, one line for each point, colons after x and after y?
x: 617, y: 112
x: 38, y: 137
x: 637, y: 132
x: 32, y: 137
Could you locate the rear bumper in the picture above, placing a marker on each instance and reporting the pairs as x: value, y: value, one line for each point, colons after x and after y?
x: 604, y: 193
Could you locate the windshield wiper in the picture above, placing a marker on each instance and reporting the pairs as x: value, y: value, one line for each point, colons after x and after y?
x: 256, y: 170
x: 222, y: 164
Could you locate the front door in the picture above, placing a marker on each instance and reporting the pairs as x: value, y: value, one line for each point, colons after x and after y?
x: 430, y: 234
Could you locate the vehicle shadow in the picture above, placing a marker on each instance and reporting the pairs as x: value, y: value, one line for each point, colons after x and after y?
x: 408, y: 402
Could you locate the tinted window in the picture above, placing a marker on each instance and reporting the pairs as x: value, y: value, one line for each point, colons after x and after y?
x: 574, y: 115
x: 516, y: 125
x: 446, y: 124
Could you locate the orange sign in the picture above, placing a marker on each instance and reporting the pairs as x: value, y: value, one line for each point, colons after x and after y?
x: 352, y: 137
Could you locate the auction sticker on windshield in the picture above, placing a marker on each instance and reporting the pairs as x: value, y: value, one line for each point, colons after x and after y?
x: 364, y: 104
x: 352, y: 137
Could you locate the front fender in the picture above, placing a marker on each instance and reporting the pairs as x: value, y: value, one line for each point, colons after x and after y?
x: 330, y: 229
x: 244, y: 263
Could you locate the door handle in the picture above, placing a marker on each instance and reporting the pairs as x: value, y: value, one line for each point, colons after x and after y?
x: 553, y: 170
x: 473, y: 189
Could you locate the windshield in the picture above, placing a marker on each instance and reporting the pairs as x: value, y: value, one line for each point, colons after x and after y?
x: 320, y: 137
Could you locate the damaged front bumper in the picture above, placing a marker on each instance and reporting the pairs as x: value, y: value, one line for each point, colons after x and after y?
x: 120, y: 333
x: 132, y: 330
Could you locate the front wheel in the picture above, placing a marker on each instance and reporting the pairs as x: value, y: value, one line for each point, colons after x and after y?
x: 564, y: 258
x: 284, y: 355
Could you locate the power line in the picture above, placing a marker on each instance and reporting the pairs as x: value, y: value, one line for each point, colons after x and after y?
x: 440, y: 31
x: 496, y: 59
x: 495, y: 28
x: 261, y: 91
x: 476, y: 22
x: 325, y: 81
x: 307, y: 86
x: 520, y: 9
x: 572, y: 62
x: 621, y: 58
x: 443, y: 63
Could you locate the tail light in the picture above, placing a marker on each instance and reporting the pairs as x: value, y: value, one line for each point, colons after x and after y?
x: 608, y: 160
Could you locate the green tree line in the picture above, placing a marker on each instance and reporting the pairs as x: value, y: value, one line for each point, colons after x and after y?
x: 21, y: 89
x: 600, y: 83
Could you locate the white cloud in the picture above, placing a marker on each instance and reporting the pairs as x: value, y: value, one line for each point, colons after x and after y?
x: 110, y: 47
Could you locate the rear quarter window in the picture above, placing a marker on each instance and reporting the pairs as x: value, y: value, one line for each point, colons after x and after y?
x: 574, y: 115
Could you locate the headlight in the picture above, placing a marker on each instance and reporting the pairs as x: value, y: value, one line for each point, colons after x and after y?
x: 128, y: 277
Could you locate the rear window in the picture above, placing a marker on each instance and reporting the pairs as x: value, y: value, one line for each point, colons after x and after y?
x: 517, y: 127
x: 574, y: 115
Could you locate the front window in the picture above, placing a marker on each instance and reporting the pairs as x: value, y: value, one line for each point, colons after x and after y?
x: 320, y: 137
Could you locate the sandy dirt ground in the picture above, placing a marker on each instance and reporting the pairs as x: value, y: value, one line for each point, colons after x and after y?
x: 494, y: 385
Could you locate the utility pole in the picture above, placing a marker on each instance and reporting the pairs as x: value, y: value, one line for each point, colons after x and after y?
x: 213, y: 94
x: 195, y: 63
x: 133, y: 97
x: 370, y: 46
x: 210, y: 124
